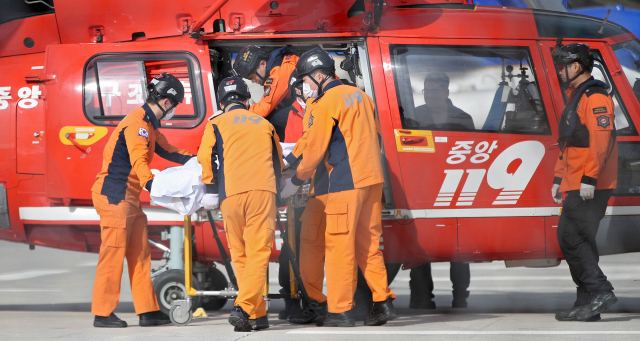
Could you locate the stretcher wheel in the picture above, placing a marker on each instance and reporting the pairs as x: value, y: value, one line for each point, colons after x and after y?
x: 169, y: 286
x: 215, y: 280
x: 179, y: 317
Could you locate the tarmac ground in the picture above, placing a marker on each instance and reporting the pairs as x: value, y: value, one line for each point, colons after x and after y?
x: 45, y: 294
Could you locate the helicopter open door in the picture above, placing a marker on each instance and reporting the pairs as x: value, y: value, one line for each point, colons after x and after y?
x: 90, y: 88
x: 484, y: 169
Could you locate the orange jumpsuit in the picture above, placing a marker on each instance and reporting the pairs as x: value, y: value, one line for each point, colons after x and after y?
x: 123, y: 225
x: 247, y: 180
x: 276, y: 87
x: 344, y: 135
x: 598, y: 164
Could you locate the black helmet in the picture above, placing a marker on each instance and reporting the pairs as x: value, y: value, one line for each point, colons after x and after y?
x: 315, y: 59
x: 233, y: 85
x: 295, y: 82
x: 166, y: 85
x: 576, y: 52
x: 248, y: 60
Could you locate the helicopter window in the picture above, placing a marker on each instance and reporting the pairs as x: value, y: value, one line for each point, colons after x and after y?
x: 484, y: 89
x: 628, y: 54
x: 623, y: 124
x: 116, y: 85
x: 563, y: 25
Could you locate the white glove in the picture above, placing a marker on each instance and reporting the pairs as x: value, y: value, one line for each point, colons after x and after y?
x: 587, y: 191
x: 210, y: 201
x: 155, y: 172
x: 286, y: 164
x: 557, y: 196
x: 289, y: 189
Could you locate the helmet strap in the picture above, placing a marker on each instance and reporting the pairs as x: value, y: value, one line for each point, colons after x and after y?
x: 264, y: 79
x: 566, y: 75
x: 320, y: 89
x: 164, y: 112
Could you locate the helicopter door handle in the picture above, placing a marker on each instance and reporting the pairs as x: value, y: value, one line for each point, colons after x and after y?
x: 412, y: 139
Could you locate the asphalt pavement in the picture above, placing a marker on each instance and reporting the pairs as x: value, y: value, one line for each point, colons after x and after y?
x: 45, y: 294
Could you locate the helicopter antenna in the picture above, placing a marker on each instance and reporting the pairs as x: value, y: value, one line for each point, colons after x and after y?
x: 603, y: 23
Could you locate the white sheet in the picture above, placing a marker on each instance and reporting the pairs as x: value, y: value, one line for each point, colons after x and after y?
x: 181, y: 188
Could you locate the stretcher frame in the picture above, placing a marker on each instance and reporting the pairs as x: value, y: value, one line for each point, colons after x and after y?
x: 181, y: 314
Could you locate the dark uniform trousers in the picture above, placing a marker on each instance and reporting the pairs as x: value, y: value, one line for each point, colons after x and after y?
x: 577, y: 231
x: 283, y: 271
x: 421, y: 282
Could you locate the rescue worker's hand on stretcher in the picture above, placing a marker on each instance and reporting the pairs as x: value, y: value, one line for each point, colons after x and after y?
x: 557, y: 196
x: 210, y: 201
x: 289, y: 189
x: 587, y: 191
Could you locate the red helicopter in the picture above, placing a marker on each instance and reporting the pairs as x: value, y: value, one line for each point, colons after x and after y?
x: 472, y: 193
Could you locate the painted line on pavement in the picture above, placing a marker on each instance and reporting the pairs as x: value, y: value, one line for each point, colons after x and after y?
x: 456, y: 332
x: 14, y: 276
x: 619, y: 277
x: 30, y: 290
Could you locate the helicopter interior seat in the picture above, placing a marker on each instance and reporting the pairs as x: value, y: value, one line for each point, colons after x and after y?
x: 528, y: 115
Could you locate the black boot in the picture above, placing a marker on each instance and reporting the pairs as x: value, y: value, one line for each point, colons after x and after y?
x: 291, y: 306
x: 571, y: 315
x: 153, y: 318
x: 345, y: 319
x: 421, y: 286
x: 582, y: 298
x: 309, y: 314
x: 239, y: 319
x: 598, y: 303
x: 111, y: 321
x: 256, y: 324
x: 380, y: 313
x: 460, y: 299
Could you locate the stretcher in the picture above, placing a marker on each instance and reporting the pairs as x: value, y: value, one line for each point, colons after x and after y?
x: 181, y: 314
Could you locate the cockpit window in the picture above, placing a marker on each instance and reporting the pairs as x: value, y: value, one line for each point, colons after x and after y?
x: 115, y: 85
x: 561, y: 25
x: 628, y: 54
x: 488, y: 89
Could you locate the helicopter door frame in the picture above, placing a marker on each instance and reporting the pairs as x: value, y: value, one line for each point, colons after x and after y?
x: 488, y: 216
x: 71, y: 167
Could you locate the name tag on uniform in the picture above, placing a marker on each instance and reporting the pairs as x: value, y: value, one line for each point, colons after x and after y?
x: 143, y: 132
x: 600, y: 110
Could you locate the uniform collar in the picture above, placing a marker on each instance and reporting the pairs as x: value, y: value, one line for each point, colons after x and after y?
x: 236, y: 107
x: 331, y: 85
x: 150, y: 116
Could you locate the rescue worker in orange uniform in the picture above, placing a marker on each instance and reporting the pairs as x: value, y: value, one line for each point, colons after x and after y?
x: 273, y: 71
x: 245, y: 181
x: 587, y: 172
x: 116, y: 197
x: 343, y: 132
x: 311, y: 255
